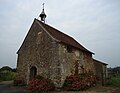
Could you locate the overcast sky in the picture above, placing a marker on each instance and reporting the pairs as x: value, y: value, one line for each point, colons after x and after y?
x: 93, y: 23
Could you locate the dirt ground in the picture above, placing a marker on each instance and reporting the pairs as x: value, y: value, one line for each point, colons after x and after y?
x: 97, y: 89
x: 7, y: 87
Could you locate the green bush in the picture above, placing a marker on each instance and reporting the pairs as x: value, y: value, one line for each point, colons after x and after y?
x: 114, y: 81
x: 7, y: 76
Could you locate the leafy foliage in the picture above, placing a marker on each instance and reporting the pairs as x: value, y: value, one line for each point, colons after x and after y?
x: 7, y: 73
x: 114, y: 81
x: 5, y: 68
x: 114, y: 71
x: 7, y: 76
x: 79, y: 82
x: 40, y: 84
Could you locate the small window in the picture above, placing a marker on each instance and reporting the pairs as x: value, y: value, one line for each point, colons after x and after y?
x: 33, y: 72
x: 69, y: 49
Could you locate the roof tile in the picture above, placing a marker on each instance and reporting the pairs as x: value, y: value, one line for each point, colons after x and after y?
x: 63, y: 38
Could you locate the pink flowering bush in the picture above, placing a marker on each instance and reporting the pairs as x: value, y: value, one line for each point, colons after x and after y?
x: 79, y: 82
x: 40, y: 84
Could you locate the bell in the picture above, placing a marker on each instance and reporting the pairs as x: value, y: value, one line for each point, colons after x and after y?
x: 42, y: 15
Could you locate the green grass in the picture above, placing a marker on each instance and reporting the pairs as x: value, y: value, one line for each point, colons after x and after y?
x: 114, y: 81
x: 8, y: 76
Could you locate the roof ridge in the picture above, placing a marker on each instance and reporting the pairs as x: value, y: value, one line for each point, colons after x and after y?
x: 99, y: 61
x: 64, y: 38
x: 55, y: 29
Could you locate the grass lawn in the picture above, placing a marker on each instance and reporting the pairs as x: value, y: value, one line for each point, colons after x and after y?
x: 114, y: 81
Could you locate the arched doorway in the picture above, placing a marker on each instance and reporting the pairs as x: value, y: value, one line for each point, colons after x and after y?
x: 33, y: 72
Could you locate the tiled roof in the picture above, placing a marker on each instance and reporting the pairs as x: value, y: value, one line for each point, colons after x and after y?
x: 63, y: 38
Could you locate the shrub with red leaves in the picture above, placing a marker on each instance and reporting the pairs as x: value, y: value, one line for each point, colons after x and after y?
x: 40, y: 84
x: 79, y: 82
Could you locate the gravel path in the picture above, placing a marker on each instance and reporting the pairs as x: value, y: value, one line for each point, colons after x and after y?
x: 7, y: 87
x: 97, y: 89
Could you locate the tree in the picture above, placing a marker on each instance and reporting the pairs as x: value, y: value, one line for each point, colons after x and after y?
x: 4, y: 68
x: 116, y: 70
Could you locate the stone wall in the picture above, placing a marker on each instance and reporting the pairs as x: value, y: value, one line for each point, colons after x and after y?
x: 38, y: 50
x: 52, y: 59
x: 100, y: 71
x: 88, y: 63
x: 68, y: 61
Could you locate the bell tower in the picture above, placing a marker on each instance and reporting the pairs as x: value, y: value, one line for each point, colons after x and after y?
x: 42, y: 15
